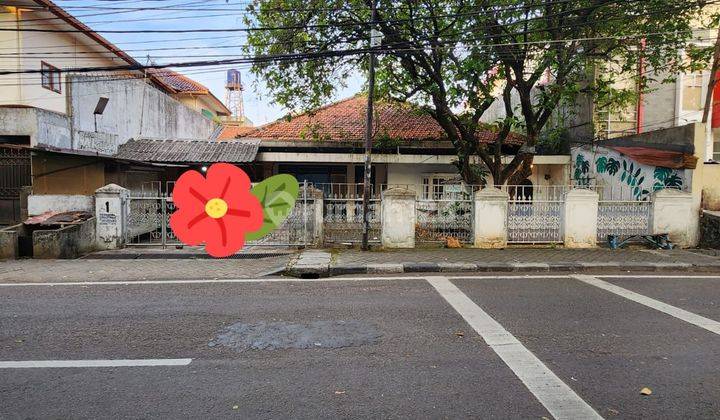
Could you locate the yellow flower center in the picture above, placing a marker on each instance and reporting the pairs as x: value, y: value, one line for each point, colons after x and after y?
x: 216, y: 208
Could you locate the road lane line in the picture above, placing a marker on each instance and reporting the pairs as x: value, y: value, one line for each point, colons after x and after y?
x: 44, y: 364
x: 674, y: 311
x: 654, y: 276
x: 559, y: 399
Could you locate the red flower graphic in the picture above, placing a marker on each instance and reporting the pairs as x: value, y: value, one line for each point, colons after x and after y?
x: 218, y: 210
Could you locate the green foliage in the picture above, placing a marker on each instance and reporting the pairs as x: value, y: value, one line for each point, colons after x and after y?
x: 277, y: 196
x: 455, y: 59
x: 384, y: 142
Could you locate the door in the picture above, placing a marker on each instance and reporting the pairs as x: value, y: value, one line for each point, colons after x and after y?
x: 14, y: 175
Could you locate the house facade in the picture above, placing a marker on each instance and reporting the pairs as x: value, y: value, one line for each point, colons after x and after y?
x: 325, y: 147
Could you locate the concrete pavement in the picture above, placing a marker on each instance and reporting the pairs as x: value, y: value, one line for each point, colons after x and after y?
x: 440, y: 351
x: 343, y: 262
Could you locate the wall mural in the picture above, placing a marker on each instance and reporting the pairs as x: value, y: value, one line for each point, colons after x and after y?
x: 629, y: 180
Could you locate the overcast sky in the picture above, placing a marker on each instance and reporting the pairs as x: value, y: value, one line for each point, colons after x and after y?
x: 259, y: 105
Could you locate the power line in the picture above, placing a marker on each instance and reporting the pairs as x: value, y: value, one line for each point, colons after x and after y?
x: 312, y: 26
x: 327, y: 54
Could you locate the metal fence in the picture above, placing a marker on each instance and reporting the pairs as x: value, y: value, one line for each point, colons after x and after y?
x: 343, y: 211
x: 535, y: 221
x: 536, y: 213
x: 444, y: 211
x: 149, y: 223
x: 624, y: 218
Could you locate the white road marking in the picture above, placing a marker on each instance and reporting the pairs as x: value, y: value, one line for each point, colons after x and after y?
x: 271, y: 280
x: 652, y: 276
x: 559, y: 399
x: 44, y: 364
x: 682, y: 314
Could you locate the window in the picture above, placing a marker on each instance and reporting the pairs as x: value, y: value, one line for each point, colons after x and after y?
x: 50, y: 77
x: 693, y: 86
x: 441, y: 186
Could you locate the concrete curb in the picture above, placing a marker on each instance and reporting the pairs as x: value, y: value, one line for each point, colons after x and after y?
x: 329, y: 270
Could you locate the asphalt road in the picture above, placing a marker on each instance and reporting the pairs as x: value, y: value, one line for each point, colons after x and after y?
x: 445, y: 347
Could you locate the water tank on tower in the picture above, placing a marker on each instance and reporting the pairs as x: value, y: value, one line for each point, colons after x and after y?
x: 233, y: 95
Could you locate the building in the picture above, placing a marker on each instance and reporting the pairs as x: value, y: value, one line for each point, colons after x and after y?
x: 325, y: 147
x: 192, y: 94
x: 61, y: 128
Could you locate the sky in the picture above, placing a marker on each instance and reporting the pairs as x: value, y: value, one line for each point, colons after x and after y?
x: 259, y: 104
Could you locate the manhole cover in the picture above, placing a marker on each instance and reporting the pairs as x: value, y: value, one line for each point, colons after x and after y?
x: 284, y: 335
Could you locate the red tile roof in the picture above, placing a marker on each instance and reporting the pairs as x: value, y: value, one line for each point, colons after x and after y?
x: 234, y: 131
x: 345, y: 121
x: 180, y: 83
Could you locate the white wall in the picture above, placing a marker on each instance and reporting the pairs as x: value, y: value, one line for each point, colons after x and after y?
x: 402, y: 174
x: 30, y: 92
x: 135, y: 109
x: 39, y: 204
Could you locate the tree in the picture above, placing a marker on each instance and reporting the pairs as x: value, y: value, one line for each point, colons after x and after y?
x: 458, y: 59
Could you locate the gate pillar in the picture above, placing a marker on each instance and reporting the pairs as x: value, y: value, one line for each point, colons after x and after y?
x: 112, y: 205
x: 318, y: 205
x: 674, y: 213
x: 580, y: 219
x: 398, y: 218
x: 490, y: 218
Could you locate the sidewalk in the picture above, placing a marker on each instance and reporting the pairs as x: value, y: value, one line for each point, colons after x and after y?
x: 170, y: 264
x: 145, y: 264
x: 333, y: 263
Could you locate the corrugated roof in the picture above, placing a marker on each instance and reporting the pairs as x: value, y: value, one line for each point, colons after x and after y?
x: 189, y: 151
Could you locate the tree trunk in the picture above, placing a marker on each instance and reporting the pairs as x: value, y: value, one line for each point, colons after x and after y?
x: 523, y: 172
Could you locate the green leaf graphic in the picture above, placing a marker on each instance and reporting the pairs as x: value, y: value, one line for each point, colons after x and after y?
x: 277, y: 196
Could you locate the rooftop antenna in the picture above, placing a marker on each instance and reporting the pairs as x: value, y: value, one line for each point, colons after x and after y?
x: 234, y: 96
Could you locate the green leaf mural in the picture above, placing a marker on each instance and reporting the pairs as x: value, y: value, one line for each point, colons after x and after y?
x: 277, y: 196
x: 613, y: 166
x: 666, y: 178
x: 601, y: 164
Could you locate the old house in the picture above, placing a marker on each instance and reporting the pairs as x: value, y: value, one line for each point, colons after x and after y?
x: 325, y: 147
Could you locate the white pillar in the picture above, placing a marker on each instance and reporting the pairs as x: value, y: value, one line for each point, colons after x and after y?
x: 675, y: 214
x: 490, y: 218
x: 581, y: 213
x: 112, y: 207
x: 398, y: 218
x: 318, y: 207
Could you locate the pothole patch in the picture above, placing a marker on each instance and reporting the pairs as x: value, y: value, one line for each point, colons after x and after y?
x: 285, y: 335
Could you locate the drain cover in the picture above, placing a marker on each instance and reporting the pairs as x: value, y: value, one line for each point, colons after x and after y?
x: 284, y: 335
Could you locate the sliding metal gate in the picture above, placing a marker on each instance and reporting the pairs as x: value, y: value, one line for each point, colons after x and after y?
x: 535, y: 221
x: 343, y: 213
x: 149, y: 223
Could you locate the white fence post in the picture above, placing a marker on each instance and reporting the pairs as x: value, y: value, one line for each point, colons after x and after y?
x: 398, y: 218
x: 581, y: 215
x: 674, y: 214
x: 111, y: 213
x: 316, y: 196
x: 490, y: 218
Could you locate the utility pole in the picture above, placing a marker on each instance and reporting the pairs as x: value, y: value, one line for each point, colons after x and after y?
x: 367, y: 186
